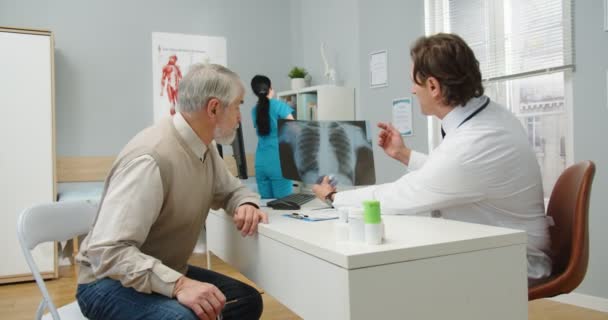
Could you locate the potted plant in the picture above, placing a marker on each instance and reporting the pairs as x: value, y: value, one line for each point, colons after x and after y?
x: 297, y: 76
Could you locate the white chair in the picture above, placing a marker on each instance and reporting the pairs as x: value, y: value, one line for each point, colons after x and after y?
x: 56, y: 221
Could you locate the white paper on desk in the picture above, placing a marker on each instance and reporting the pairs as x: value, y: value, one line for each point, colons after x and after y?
x: 319, y: 215
x: 323, y: 214
x: 402, y: 116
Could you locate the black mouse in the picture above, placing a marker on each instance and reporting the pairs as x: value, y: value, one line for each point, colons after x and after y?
x: 283, y: 205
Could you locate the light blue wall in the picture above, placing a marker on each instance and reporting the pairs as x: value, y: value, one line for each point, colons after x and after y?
x: 103, y: 58
x: 351, y: 31
x: 390, y: 25
x: 334, y: 22
x: 590, y: 119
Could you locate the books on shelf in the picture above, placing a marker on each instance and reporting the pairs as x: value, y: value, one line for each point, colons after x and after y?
x: 291, y: 100
x: 323, y: 102
x: 308, y: 107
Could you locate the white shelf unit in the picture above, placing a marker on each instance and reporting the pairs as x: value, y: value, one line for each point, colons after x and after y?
x: 324, y: 102
x: 27, y: 144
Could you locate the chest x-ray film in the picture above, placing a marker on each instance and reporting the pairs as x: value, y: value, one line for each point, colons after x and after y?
x: 310, y: 149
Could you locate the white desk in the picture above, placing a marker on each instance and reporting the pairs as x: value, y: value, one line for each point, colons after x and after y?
x: 428, y: 268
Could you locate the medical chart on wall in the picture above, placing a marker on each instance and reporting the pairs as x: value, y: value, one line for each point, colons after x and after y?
x: 172, y: 56
x: 402, y: 116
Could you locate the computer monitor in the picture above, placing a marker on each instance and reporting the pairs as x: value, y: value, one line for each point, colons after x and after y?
x: 238, y: 152
x: 311, y: 149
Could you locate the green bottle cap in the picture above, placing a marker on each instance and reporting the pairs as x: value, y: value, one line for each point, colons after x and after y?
x: 371, y: 211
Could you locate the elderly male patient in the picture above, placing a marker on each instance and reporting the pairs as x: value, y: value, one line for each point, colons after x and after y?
x: 133, y: 262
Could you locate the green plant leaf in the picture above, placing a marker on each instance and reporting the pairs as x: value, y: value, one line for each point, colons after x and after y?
x: 297, y: 72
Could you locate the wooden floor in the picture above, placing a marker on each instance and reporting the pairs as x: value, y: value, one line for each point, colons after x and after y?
x: 19, y: 301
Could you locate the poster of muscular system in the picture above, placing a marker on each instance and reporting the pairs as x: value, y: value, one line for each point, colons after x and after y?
x: 172, y: 56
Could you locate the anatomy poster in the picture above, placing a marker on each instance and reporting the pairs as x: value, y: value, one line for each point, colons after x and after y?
x: 172, y: 56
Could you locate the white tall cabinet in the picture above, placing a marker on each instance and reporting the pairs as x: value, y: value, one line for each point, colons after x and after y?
x: 324, y: 102
x: 27, y: 143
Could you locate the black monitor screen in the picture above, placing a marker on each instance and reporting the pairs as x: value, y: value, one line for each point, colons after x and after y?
x: 310, y: 149
x: 238, y: 152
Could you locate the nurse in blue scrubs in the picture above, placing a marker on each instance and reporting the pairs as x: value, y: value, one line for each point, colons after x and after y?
x: 265, y: 114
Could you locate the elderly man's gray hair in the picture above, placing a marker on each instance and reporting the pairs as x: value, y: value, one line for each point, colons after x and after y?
x: 206, y: 81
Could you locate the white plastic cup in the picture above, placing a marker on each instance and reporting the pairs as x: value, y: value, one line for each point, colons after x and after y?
x: 341, y: 230
x: 343, y: 215
x: 356, y: 225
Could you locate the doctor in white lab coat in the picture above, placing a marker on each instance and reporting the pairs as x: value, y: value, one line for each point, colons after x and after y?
x: 484, y: 170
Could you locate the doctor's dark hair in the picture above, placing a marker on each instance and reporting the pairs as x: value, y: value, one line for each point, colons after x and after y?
x: 261, y: 86
x: 447, y: 58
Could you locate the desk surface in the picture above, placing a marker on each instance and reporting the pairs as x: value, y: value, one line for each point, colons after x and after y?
x: 407, y: 238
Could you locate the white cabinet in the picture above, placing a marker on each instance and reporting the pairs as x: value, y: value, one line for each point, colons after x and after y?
x: 325, y: 102
x: 27, y: 135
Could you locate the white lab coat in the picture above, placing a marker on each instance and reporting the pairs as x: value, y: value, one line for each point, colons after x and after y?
x: 484, y: 171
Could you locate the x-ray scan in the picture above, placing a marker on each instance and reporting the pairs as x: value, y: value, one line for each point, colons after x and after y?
x: 342, y: 149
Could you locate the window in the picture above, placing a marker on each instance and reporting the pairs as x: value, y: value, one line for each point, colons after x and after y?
x: 525, y: 52
x: 534, y: 136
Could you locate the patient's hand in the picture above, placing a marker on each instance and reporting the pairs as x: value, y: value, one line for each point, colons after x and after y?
x: 205, y: 299
x: 247, y: 217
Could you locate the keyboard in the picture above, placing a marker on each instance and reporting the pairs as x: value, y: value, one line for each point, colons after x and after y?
x: 291, y: 202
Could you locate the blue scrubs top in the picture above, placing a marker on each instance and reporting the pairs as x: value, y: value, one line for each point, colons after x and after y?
x: 267, y: 162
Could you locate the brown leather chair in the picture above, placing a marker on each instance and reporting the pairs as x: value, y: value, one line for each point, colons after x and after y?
x: 569, y: 207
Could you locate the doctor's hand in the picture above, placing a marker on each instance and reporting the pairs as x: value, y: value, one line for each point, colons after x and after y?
x: 324, y: 188
x: 204, y: 299
x: 247, y: 217
x: 391, y: 141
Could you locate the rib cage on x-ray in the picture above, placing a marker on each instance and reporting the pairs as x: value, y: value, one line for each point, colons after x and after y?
x: 328, y: 148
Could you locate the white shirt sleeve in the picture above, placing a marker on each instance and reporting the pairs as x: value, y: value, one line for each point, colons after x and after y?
x: 417, y: 160
x: 438, y: 183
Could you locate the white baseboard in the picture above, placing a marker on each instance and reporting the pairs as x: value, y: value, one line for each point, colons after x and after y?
x: 583, y: 300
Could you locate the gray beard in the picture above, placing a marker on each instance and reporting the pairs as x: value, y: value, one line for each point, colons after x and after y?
x: 222, y: 138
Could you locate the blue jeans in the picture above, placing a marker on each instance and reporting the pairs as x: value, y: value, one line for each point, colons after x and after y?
x: 109, y: 299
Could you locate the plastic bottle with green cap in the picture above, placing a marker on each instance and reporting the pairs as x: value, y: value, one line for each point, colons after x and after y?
x: 371, y: 211
x: 374, y: 228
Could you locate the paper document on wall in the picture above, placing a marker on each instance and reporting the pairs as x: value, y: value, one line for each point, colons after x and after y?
x: 378, y: 69
x: 402, y: 116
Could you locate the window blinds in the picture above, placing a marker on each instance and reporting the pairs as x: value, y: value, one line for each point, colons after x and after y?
x: 511, y: 38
